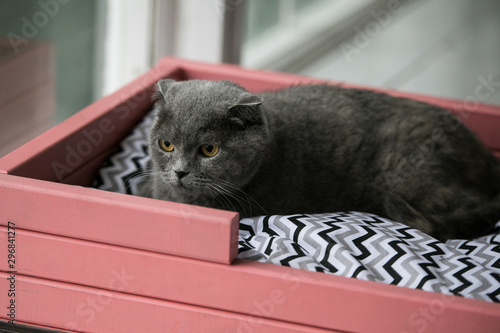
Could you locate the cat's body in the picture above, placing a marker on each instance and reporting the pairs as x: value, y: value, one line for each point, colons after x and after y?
x: 318, y: 149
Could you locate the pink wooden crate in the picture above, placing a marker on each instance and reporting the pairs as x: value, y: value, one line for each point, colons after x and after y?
x: 95, y: 261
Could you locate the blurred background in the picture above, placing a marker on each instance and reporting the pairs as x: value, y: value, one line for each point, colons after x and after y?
x: 58, y: 56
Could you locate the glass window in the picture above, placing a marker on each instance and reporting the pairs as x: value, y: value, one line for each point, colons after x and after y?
x: 59, y: 56
x: 279, y: 34
x: 432, y: 47
x: 47, y: 65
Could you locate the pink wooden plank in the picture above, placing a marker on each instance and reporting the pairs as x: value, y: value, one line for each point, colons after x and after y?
x: 86, y: 174
x: 486, y: 126
x: 251, y: 288
x: 120, y: 219
x: 84, y: 309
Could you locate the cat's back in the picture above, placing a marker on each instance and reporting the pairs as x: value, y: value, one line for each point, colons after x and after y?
x: 354, y: 128
x: 297, y: 100
x: 326, y: 114
x: 335, y: 109
x: 324, y: 98
x: 297, y: 108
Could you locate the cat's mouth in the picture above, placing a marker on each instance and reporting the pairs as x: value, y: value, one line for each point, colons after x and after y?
x: 182, y: 184
x: 186, y: 184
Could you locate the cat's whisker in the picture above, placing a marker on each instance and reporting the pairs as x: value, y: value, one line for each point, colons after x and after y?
x: 243, y: 195
x: 149, y: 174
x: 240, y: 199
x: 143, y: 176
x: 214, y: 193
x: 146, y: 177
x: 222, y: 197
x: 239, y: 195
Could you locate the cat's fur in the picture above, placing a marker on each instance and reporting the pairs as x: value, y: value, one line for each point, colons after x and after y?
x: 322, y: 148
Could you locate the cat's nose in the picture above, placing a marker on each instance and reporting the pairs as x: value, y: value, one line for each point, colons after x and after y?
x: 181, y: 174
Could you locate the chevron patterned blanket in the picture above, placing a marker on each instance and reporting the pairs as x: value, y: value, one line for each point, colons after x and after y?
x: 351, y: 244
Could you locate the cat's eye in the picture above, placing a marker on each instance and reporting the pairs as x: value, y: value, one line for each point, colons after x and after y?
x: 165, y: 145
x: 209, y: 150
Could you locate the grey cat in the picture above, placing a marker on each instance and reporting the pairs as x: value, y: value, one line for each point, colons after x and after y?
x: 321, y: 148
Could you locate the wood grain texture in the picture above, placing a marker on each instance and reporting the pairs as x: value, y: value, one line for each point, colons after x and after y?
x: 120, y: 219
x: 249, y: 288
x: 78, y: 308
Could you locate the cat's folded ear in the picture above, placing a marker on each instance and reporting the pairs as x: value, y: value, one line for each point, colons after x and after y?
x: 248, y: 99
x: 246, y: 111
x: 162, y: 88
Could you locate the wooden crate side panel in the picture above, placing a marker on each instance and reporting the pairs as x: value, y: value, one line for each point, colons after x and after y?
x: 86, y: 174
x: 251, y: 288
x: 120, y: 219
x: 486, y: 126
x: 83, y: 309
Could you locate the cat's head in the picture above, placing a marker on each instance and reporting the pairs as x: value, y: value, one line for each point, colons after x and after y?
x: 206, y: 135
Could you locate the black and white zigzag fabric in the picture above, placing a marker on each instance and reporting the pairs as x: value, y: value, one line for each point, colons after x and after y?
x: 125, y: 171
x: 372, y: 248
x: 351, y: 244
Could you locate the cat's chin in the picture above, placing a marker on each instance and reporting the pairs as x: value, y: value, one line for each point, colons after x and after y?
x: 188, y: 193
x: 186, y: 188
x: 182, y: 186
